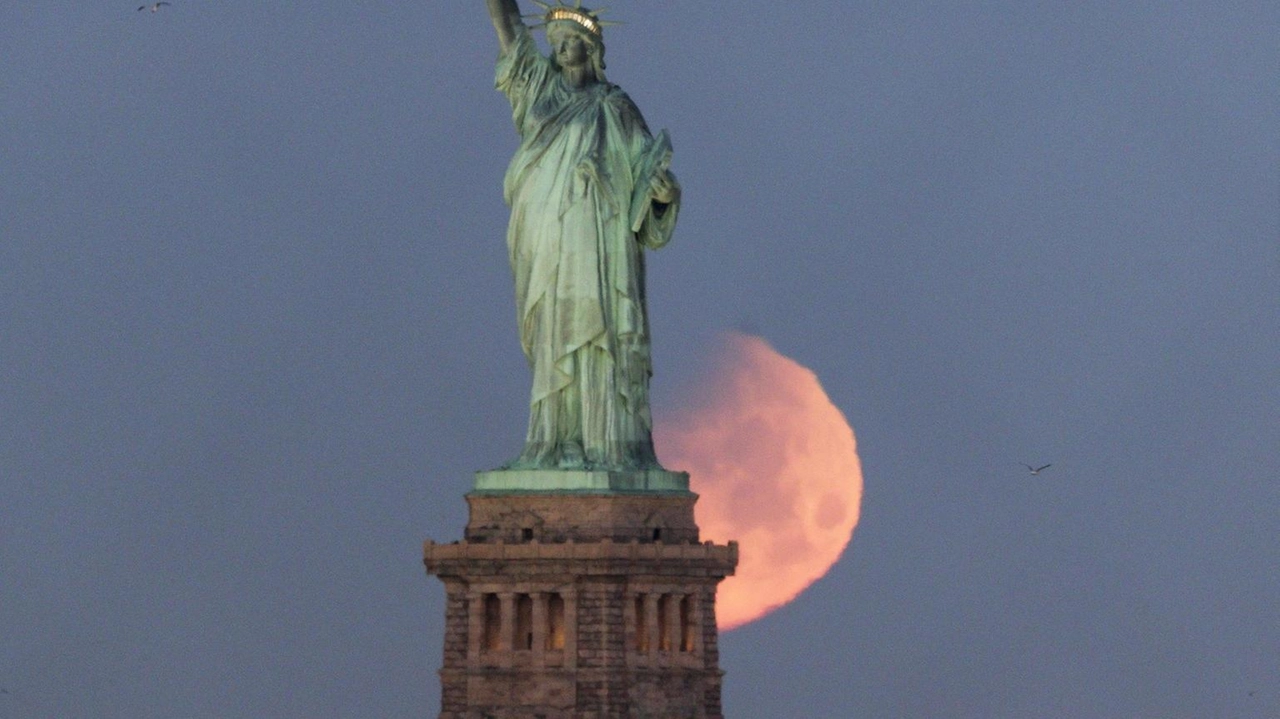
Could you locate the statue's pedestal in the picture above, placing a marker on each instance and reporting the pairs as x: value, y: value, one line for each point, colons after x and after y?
x: 581, y: 594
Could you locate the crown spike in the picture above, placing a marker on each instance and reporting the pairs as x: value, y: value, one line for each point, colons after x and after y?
x: 586, y: 18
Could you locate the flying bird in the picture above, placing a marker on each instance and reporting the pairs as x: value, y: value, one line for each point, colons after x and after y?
x: 154, y: 6
x: 1036, y: 470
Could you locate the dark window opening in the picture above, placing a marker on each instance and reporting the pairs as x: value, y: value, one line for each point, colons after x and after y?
x: 492, y: 622
x: 686, y: 624
x: 524, y: 622
x: 555, y: 622
x: 640, y: 640
x: 664, y: 623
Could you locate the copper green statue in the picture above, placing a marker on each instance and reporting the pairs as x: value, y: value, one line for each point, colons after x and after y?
x: 589, y: 190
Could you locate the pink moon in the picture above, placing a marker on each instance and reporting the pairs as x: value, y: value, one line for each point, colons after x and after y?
x: 775, y: 465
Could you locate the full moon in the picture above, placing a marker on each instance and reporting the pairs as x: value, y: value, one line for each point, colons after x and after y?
x: 776, y: 468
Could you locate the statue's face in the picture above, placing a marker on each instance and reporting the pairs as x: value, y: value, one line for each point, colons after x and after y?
x: 568, y: 46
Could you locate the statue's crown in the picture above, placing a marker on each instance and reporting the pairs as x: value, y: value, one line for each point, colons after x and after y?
x: 586, y: 18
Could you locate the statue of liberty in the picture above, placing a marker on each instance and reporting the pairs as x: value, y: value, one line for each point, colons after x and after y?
x: 589, y: 190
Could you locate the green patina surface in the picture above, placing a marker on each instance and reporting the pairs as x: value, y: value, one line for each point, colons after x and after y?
x: 590, y: 189
x: 584, y: 480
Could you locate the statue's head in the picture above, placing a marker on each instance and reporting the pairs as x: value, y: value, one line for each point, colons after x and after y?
x: 576, y: 36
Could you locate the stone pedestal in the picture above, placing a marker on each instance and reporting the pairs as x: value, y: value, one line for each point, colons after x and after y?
x: 582, y: 601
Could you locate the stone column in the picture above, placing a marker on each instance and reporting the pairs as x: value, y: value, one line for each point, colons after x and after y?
x: 475, y: 626
x: 695, y: 621
x: 571, y: 629
x: 507, y: 633
x: 540, y: 629
x: 673, y: 623
x: 652, y: 620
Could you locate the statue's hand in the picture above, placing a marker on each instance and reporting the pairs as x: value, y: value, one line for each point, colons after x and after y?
x: 663, y: 188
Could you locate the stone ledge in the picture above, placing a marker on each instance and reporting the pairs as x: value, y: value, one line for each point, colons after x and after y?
x: 707, y: 555
x: 606, y: 549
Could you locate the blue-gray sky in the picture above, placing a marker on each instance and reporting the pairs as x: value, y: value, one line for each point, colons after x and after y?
x: 258, y: 331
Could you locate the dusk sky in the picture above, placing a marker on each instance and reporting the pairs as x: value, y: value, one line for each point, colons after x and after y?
x: 258, y: 331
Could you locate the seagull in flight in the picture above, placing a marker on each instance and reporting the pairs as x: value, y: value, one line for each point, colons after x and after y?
x: 154, y: 6
x: 1036, y: 470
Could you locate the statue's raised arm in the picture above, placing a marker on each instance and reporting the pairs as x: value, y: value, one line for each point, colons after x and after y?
x: 506, y: 18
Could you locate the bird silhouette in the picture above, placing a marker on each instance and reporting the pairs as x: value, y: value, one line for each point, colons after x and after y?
x: 153, y: 6
x: 1036, y: 470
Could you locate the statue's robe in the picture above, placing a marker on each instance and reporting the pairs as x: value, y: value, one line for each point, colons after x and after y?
x: 580, y: 218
